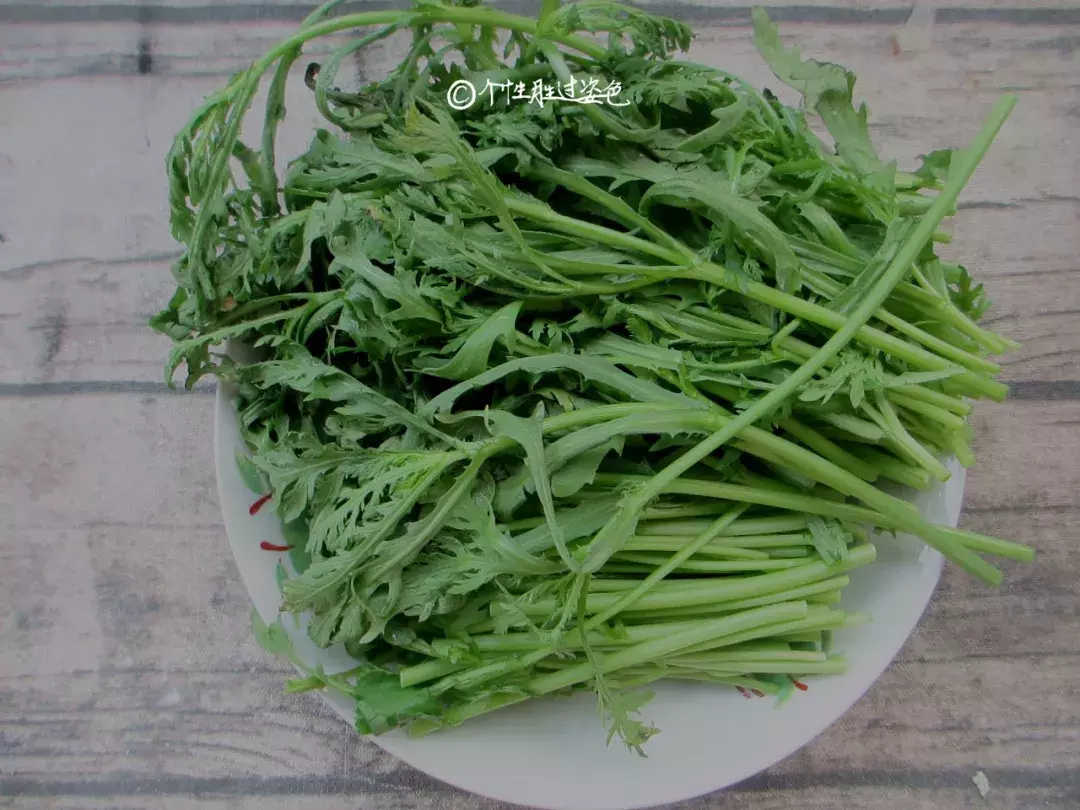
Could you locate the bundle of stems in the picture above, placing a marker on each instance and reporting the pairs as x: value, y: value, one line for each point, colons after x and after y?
x: 576, y: 395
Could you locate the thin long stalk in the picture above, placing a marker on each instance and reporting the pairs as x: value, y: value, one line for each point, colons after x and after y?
x: 618, y: 604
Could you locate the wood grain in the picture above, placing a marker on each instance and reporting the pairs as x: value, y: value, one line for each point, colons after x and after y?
x: 128, y: 677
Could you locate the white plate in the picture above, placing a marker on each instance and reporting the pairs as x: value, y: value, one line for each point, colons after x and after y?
x: 552, y: 754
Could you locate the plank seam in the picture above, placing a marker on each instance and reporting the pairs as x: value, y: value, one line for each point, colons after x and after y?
x: 144, y: 14
x: 1019, y: 390
x: 123, y: 784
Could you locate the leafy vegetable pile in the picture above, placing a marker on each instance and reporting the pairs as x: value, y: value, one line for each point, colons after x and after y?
x: 576, y: 395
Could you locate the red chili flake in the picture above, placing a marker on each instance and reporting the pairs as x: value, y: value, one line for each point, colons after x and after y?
x: 265, y: 546
x: 743, y: 692
x: 802, y: 687
x: 255, y: 507
x: 758, y: 693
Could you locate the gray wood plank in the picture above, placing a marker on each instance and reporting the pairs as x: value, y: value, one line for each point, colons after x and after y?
x: 164, y: 474
x: 913, y: 797
x: 85, y: 319
x: 134, y: 680
x: 672, y: 7
x: 136, y: 666
x: 115, y: 231
x: 178, y: 732
x: 817, y: 11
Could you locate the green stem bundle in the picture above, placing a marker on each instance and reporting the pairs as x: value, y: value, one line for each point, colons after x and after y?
x: 566, y: 395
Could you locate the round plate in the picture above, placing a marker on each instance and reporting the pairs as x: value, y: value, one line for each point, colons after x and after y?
x: 552, y: 753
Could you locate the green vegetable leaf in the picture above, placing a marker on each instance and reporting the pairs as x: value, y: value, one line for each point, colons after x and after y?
x: 528, y: 434
x: 383, y: 704
x: 746, y: 217
x: 827, y: 90
x: 472, y: 357
x: 934, y: 167
x: 273, y: 638
x: 250, y: 474
x: 829, y: 538
x: 581, y: 470
x: 814, y: 80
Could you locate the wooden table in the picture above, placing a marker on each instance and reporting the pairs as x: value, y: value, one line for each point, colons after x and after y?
x: 128, y: 676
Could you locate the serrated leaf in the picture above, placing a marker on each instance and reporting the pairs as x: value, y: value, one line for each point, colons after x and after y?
x: 827, y: 90
x: 813, y: 79
x: 934, y: 167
